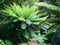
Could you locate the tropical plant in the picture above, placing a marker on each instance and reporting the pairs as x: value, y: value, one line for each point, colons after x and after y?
x: 58, y: 2
x: 48, y: 6
x: 1, y: 42
x: 5, y: 42
x: 27, y: 18
x: 52, y: 20
x: 27, y: 21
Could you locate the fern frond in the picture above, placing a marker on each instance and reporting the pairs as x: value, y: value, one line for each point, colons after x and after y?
x: 48, y: 6
x: 23, y: 13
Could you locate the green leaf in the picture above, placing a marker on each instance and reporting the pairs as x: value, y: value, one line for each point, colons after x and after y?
x: 36, y: 23
x: 52, y: 29
x: 2, y: 42
x: 48, y: 6
x: 7, y: 42
x: 26, y: 34
x: 38, y: 37
x: 21, y: 19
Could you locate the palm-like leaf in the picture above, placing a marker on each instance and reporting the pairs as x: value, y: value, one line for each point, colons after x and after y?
x: 28, y: 15
x: 23, y: 13
x: 49, y: 6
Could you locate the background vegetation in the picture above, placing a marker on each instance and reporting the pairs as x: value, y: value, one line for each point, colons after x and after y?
x: 21, y: 20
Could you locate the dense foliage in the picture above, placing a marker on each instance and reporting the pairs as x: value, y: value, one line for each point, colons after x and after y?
x: 21, y: 20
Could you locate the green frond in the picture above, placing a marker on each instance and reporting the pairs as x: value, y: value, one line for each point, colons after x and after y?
x: 58, y: 2
x: 40, y: 38
x: 48, y: 6
x: 23, y: 13
x: 52, y: 29
x: 2, y: 42
x: 7, y: 42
